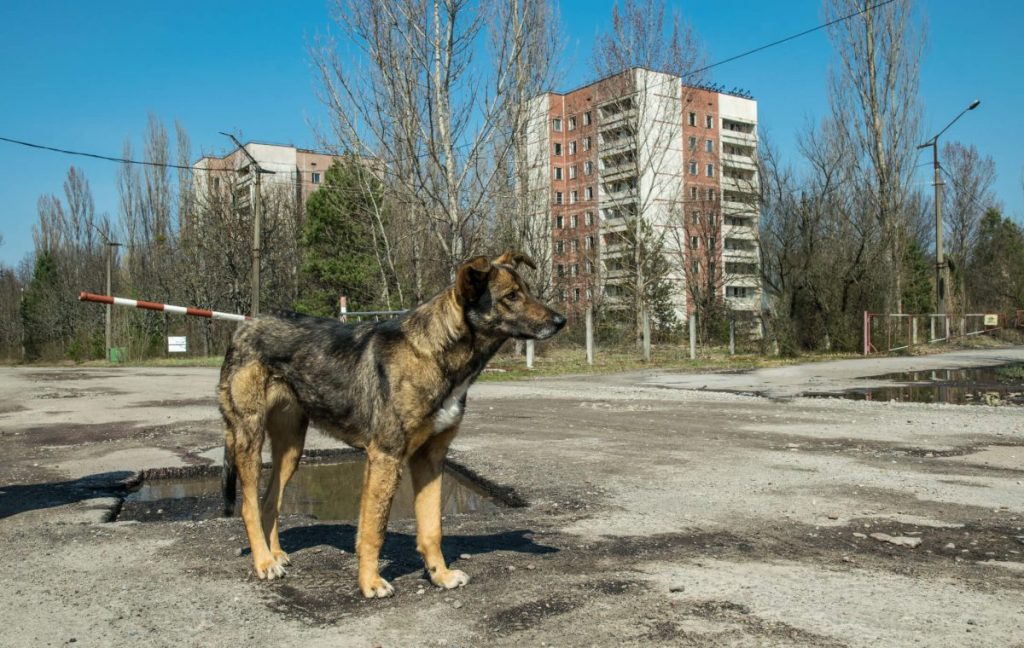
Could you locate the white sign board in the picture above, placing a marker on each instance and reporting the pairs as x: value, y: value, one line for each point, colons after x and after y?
x: 177, y: 344
x: 992, y: 320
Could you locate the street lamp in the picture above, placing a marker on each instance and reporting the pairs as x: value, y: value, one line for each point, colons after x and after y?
x: 940, y: 257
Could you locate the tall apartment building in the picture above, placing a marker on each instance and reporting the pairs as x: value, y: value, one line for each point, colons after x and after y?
x: 296, y: 173
x: 643, y: 145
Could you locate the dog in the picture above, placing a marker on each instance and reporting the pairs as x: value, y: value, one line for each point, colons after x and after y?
x: 395, y: 388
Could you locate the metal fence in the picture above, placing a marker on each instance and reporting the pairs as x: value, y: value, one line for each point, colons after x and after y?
x: 887, y: 332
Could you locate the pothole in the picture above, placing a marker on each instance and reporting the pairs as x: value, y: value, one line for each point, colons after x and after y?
x: 995, y: 385
x: 324, y: 491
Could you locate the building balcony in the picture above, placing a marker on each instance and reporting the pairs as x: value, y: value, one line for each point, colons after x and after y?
x: 740, y: 185
x: 739, y: 138
x: 744, y: 256
x: 623, y: 144
x: 617, y: 198
x: 737, y: 208
x: 744, y: 162
x: 618, y: 172
x: 617, y: 119
x: 743, y: 232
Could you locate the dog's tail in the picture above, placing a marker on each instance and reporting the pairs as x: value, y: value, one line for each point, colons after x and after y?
x: 229, y: 479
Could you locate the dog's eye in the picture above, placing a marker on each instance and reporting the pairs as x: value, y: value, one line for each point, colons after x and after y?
x: 512, y: 296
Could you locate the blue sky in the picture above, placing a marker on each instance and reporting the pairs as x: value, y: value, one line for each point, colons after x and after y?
x: 86, y: 75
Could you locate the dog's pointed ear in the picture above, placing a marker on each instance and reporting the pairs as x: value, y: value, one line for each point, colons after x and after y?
x: 514, y: 259
x: 471, y: 280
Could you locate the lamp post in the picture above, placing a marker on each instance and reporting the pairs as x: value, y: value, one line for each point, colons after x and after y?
x: 940, y: 257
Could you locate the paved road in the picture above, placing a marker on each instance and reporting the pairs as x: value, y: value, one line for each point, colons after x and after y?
x: 659, y: 514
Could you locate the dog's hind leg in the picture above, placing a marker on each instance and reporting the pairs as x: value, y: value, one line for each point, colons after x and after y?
x: 380, y: 481
x: 286, y: 427
x: 426, y: 466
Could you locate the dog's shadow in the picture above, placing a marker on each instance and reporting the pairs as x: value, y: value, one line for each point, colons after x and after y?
x: 399, y: 550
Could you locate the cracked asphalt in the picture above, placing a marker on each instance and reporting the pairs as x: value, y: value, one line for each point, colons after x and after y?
x: 661, y: 509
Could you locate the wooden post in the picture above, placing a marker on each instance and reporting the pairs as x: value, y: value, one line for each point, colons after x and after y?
x: 529, y: 354
x: 647, y: 336
x: 693, y: 336
x: 590, y: 335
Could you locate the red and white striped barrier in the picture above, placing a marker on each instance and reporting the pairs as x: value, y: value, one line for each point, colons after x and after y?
x: 167, y: 308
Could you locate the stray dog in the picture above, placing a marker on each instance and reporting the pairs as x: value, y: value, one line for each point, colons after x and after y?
x: 396, y: 388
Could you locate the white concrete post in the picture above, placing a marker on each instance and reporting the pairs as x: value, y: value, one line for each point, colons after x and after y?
x: 529, y: 354
x: 693, y: 336
x: 732, y: 337
x: 590, y: 335
x: 647, y: 336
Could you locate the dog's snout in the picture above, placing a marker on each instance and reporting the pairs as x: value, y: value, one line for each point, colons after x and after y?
x: 558, y: 320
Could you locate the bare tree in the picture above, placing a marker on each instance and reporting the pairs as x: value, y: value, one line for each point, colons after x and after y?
x: 874, y: 100
x: 414, y: 92
x: 969, y: 194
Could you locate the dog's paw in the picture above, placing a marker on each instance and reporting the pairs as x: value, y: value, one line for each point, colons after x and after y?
x: 281, y: 558
x: 377, y: 588
x: 450, y: 578
x: 270, y: 570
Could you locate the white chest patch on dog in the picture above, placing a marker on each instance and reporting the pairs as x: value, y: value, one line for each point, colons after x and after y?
x: 450, y: 412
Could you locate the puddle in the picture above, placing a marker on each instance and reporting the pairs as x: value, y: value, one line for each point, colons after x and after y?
x: 320, y: 490
x: 997, y: 385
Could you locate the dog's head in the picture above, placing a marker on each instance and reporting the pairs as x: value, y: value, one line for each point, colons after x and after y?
x: 497, y: 301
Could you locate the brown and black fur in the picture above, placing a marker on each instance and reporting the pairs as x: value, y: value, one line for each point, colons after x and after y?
x: 395, y: 388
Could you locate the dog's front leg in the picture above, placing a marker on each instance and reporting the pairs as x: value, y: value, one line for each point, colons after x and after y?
x: 380, y: 480
x: 426, y: 465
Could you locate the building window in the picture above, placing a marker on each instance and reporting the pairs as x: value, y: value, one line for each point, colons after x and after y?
x: 588, y: 167
x: 709, y: 121
x: 586, y: 143
x: 695, y: 218
x: 590, y: 218
x: 576, y: 294
x: 711, y: 243
x: 739, y: 291
x: 711, y: 219
x: 693, y: 143
x: 693, y: 193
x: 558, y: 173
x: 558, y: 197
x: 711, y: 194
x: 588, y: 243
x: 559, y: 223
x: 694, y: 242
x: 589, y: 193
x: 693, y: 168
x: 575, y: 220
x: 561, y: 295
x: 711, y: 170
x: 709, y: 146
x: 575, y: 245
x: 559, y: 247
x: 590, y: 270
x: 572, y: 172
x: 558, y: 148
x: 572, y: 123
x: 556, y: 124
x: 693, y: 119
x: 573, y: 197
x: 575, y: 269
x: 561, y: 270
x: 216, y: 184
x: 694, y: 267
x: 572, y: 147
x: 316, y: 177
x: 586, y: 118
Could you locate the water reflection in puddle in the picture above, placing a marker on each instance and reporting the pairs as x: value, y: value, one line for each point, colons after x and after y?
x: 323, y: 491
x: 998, y: 385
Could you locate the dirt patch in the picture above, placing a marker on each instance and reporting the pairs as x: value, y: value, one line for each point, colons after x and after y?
x: 62, y: 376
x: 515, y: 619
x: 9, y: 408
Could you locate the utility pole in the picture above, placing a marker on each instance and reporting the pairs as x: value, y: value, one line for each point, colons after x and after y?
x: 940, y: 256
x: 257, y: 205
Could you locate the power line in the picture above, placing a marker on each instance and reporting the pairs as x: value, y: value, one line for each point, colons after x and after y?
x: 468, y: 144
